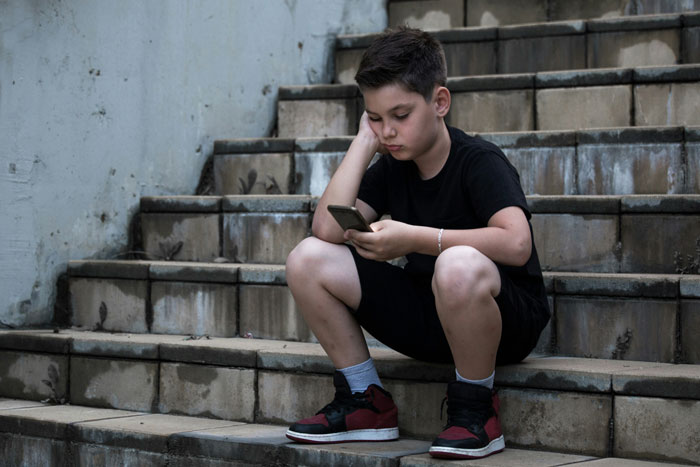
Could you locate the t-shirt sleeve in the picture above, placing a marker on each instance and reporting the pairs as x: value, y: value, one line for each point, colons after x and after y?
x: 493, y: 184
x: 373, y: 188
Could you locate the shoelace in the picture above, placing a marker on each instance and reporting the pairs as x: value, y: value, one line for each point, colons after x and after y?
x: 465, y: 413
x: 343, y: 401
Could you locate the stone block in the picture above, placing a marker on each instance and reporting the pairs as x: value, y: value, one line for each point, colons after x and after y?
x: 508, y: 458
x: 624, y: 329
x: 544, y: 344
x: 490, y: 13
x: 630, y: 169
x: 427, y: 14
x: 263, y: 238
x: 194, y: 308
x: 253, y: 145
x: 269, y: 312
x: 181, y: 203
x: 118, y: 384
x: 327, y: 117
x: 36, y: 340
x: 617, y: 285
x: 314, y: 170
x: 16, y: 450
x: 544, y: 418
x: 667, y: 104
x: 471, y: 58
x: 633, y: 48
x: 691, y: 45
x: 198, y: 235
x: 244, y: 445
x: 547, y: 53
x: 492, y: 111
x: 672, y: 234
x: 419, y: 406
x: 207, y: 391
x: 567, y: 10
x: 134, y: 346
x: 584, y: 107
x: 567, y: 242
x: 55, y: 421
x: 693, y: 173
x: 690, y: 330
x: 109, y: 304
x: 287, y: 397
x: 85, y: 455
x: 33, y: 376
x: 261, y: 173
x: 672, y: 381
x: 657, y: 429
x: 367, y: 454
x: 263, y: 274
x: 184, y: 271
x: 347, y: 61
x: 120, y: 269
x: 545, y: 171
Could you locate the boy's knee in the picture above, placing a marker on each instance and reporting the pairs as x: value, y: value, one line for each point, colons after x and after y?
x: 464, y: 272
x: 302, y: 255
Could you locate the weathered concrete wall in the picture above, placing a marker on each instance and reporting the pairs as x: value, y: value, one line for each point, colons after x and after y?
x: 104, y: 102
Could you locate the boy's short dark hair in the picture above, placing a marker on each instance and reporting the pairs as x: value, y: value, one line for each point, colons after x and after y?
x: 406, y: 56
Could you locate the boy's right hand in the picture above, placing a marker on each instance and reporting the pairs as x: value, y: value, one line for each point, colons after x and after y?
x: 366, y: 133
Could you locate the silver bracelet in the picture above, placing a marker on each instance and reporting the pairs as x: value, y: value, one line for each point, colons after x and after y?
x: 440, y: 241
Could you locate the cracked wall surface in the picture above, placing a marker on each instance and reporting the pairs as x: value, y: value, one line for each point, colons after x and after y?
x: 102, y: 103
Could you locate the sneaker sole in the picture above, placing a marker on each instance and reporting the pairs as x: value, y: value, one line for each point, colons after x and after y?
x: 380, y: 434
x: 497, y: 445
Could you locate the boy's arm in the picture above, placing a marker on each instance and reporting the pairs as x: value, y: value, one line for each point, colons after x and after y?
x: 345, y: 184
x: 506, y: 239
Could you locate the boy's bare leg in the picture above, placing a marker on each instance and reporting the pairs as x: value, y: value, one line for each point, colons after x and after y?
x: 323, y: 279
x: 465, y: 283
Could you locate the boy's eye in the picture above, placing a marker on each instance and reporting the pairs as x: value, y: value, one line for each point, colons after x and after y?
x: 374, y: 119
x: 402, y: 116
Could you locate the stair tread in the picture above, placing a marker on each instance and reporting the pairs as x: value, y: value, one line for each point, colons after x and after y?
x: 195, y: 436
x: 621, y: 377
x: 571, y: 26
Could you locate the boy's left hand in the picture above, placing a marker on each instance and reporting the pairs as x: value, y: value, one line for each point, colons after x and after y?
x: 389, y: 240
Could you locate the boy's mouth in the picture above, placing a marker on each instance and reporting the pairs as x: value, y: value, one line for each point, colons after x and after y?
x: 393, y: 147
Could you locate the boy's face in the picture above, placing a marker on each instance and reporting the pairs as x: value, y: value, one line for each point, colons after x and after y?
x: 403, y: 121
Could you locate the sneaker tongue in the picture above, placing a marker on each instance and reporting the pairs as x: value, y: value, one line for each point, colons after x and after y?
x: 341, y: 384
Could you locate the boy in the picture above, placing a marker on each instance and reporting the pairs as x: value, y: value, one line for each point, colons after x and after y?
x: 472, y: 291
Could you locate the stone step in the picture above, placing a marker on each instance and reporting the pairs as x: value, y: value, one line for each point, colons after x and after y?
x: 550, y: 46
x: 620, y: 161
x: 572, y: 233
x: 578, y: 406
x: 37, y: 434
x: 561, y: 100
x: 620, y: 316
x: 447, y: 14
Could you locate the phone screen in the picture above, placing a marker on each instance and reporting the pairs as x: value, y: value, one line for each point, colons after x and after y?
x: 349, y: 218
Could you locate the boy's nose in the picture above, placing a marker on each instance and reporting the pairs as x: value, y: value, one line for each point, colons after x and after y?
x: 388, y: 131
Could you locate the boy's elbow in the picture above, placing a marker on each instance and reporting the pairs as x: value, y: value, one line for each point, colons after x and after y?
x: 522, y: 251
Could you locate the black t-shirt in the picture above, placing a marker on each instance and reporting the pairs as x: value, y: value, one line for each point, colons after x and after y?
x: 476, y: 181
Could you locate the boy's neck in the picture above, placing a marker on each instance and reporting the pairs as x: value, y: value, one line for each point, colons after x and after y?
x: 431, y: 163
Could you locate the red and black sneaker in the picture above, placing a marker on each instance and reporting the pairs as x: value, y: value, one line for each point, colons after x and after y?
x: 363, y: 416
x: 472, y: 429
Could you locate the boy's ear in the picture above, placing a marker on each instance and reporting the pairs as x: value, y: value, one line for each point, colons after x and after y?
x: 442, y: 101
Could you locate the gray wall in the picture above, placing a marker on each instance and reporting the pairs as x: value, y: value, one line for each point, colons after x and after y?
x: 102, y: 102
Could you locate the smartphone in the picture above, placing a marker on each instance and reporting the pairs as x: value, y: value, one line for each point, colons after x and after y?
x: 349, y: 218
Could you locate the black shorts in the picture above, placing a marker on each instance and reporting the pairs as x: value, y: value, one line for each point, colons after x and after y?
x: 398, y: 309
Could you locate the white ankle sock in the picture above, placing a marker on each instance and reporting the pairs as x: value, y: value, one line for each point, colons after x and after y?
x: 487, y: 382
x: 360, y: 376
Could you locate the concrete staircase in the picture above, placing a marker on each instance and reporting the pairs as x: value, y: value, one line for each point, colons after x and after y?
x: 194, y: 354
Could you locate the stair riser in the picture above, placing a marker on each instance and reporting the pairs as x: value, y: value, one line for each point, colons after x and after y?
x: 531, y: 418
x: 520, y: 109
x: 566, y: 169
x: 549, y: 49
x: 589, y: 242
x: 596, y: 326
x: 443, y: 14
